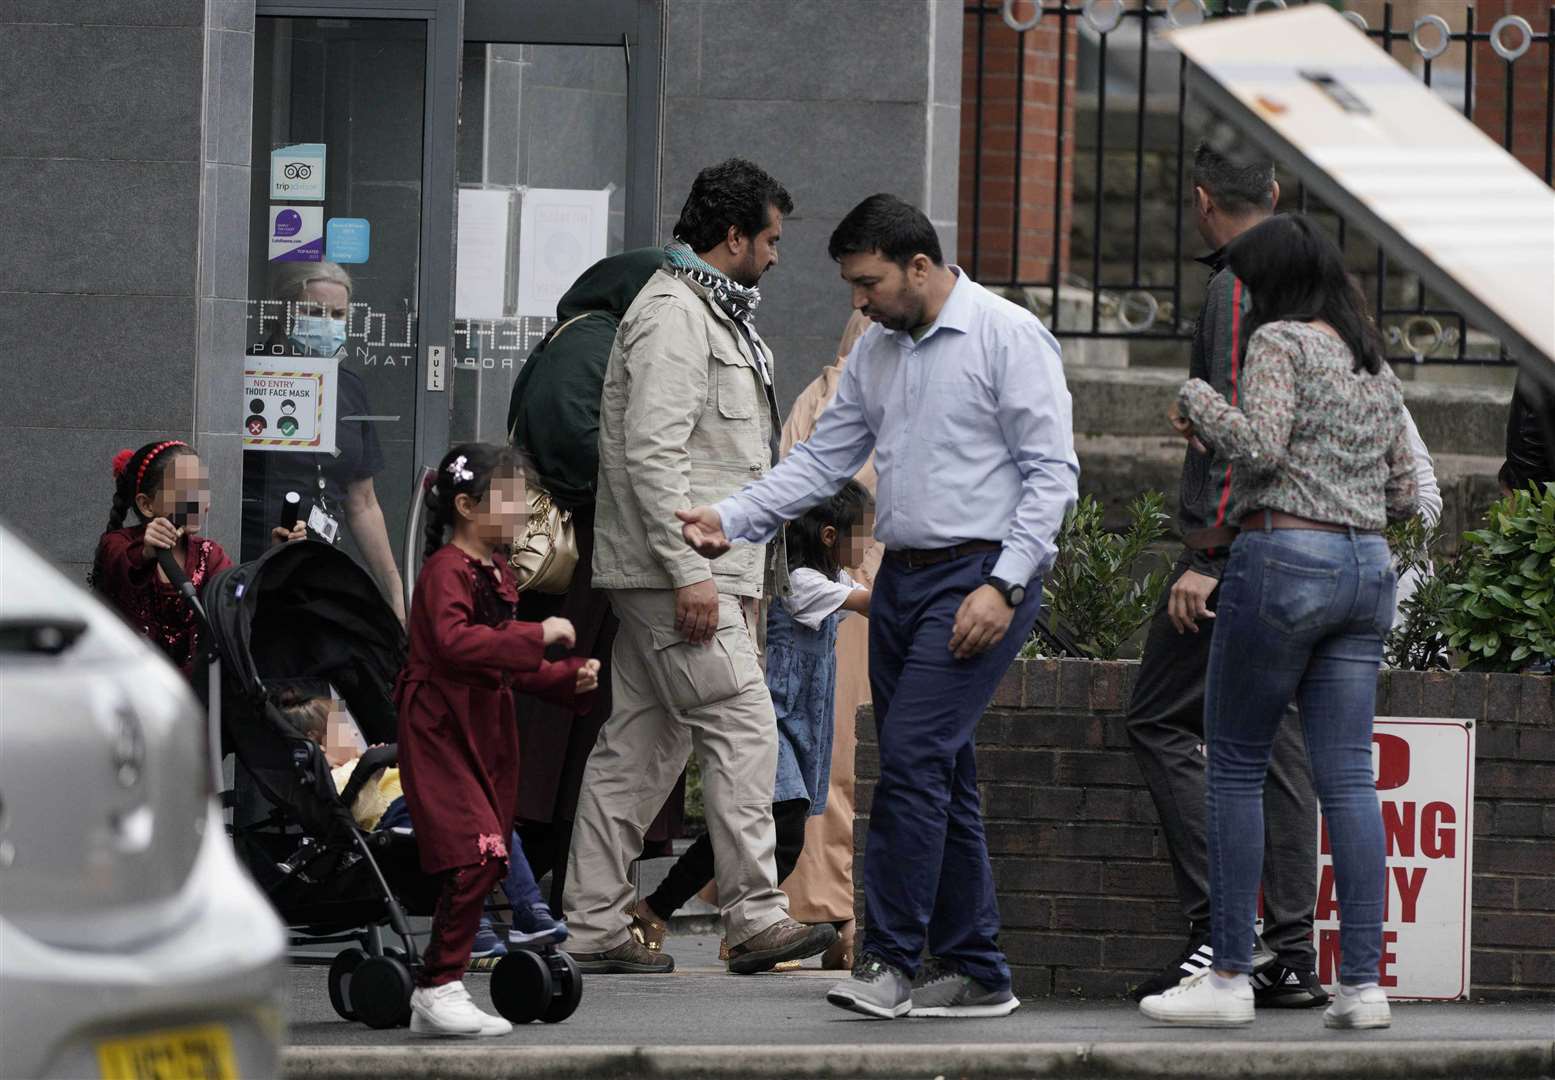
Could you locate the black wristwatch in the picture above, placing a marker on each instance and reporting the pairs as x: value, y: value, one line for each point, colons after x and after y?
x: 1013, y: 594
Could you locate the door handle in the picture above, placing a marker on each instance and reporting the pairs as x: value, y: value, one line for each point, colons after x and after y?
x: 414, y: 523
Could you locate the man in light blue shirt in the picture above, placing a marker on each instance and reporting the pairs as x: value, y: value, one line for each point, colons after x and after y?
x: 960, y: 394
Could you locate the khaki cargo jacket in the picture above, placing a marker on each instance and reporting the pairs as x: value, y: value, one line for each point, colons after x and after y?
x: 684, y: 421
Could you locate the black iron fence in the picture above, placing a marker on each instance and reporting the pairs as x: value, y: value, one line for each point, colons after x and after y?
x: 1147, y: 305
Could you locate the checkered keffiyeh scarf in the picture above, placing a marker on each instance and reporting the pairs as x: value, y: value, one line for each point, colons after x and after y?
x: 737, y: 301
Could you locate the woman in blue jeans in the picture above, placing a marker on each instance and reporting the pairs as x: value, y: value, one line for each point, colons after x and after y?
x: 1320, y: 464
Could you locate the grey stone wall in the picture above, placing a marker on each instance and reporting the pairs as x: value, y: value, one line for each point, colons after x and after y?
x: 836, y: 100
x: 123, y: 142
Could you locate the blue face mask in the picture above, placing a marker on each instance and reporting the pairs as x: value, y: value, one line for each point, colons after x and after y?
x: 319, y: 334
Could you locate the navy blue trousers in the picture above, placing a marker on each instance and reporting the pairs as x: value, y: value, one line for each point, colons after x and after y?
x: 927, y: 879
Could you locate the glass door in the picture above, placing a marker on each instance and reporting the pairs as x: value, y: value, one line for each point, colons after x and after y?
x: 350, y: 267
x: 558, y: 126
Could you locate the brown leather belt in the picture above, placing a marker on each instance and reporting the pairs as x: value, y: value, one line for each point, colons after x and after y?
x: 913, y: 558
x: 1218, y: 536
x: 1278, y: 519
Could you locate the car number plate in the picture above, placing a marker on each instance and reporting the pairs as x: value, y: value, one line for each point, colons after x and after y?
x: 196, y: 1053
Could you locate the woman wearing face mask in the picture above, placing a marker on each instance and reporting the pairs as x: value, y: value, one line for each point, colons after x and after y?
x: 339, y: 486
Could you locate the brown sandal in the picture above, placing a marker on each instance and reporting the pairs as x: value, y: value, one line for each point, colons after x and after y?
x: 839, y: 955
x: 647, y: 927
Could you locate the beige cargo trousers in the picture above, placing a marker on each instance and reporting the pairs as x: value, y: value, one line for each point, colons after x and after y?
x: 672, y: 697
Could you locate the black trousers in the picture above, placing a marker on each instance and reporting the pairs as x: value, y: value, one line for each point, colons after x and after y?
x: 1166, y: 728
x: 693, y: 870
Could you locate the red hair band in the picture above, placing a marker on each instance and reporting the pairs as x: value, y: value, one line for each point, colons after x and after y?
x: 151, y: 456
x: 120, y: 460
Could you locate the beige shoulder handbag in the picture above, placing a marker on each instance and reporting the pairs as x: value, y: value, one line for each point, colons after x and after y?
x: 546, y: 556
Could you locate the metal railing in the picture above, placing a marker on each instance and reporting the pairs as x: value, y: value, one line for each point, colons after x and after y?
x: 1416, y: 327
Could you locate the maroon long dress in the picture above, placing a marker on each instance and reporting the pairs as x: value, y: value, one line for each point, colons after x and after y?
x: 129, y: 580
x: 458, y: 738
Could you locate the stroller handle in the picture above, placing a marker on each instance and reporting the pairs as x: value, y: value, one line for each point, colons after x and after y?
x: 185, y: 587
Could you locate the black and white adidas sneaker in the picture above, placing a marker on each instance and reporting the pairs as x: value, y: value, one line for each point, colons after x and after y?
x: 1279, y: 987
x: 1194, y: 959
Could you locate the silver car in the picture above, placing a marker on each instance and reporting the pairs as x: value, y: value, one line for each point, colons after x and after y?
x: 131, y: 942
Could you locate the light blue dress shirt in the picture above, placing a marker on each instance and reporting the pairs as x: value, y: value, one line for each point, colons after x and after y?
x: 972, y: 432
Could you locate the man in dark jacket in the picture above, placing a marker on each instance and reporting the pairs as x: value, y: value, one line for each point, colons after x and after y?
x: 1530, y: 436
x: 553, y: 414
x: 1166, y: 712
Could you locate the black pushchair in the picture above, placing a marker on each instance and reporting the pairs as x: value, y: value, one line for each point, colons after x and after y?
x: 305, y: 616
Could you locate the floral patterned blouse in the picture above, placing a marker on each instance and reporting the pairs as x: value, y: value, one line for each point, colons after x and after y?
x: 1306, y: 434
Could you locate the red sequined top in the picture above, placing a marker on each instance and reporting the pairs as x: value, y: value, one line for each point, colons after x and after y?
x: 130, y: 583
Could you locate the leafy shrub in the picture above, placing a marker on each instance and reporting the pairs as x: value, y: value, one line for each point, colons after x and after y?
x: 1419, y: 639
x: 1094, y: 591
x: 1502, y: 605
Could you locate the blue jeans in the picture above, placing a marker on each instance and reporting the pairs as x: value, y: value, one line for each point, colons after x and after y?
x: 518, y: 886
x: 1302, y: 615
x: 927, y: 879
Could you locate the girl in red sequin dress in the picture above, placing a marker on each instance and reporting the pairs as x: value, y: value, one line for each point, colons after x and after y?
x: 163, y: 482
x: 458, y: 738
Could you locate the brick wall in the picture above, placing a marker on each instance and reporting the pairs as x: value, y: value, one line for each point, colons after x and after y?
x: 1085, y: 888
x: 1531, y: 120
x: 1009, y: 124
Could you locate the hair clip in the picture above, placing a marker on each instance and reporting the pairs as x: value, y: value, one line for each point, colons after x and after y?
x: 457, y: 470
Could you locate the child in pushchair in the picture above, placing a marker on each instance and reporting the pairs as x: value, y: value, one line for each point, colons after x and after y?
x: 380, y: 804
x: 305, y: 622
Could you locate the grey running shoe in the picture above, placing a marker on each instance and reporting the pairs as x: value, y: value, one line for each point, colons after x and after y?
x: 630, y: 957
x: 876, y: 989
x: 941, y: 990
x: 784, y: 940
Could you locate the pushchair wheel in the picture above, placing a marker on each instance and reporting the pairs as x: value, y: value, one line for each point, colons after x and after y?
x: 567, y: 987
x: 521, y: 986
x: 340, y: 973
x: 380, y: 992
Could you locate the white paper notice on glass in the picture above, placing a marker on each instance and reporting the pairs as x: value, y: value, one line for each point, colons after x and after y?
x: 481, y: 254
x: 562, y: 232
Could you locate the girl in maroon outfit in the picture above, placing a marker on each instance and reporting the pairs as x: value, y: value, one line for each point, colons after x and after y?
x: 458, y: 739
x: 164, y: 483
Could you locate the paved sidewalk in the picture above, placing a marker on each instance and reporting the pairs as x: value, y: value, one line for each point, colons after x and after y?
x: 702, y: 1022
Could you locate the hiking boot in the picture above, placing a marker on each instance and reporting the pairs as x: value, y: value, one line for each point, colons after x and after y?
x: 631, y: 957
x: 724, y: 954
x: 535, y: 927
x: 1276, y: 986
x: 942, y: 990
x: 1194, y: 958
x: 1355, y: 1009
x: 783, y: 940
x: 448, y: 1010
x: 876, y: 989
x: 1198, y: 1002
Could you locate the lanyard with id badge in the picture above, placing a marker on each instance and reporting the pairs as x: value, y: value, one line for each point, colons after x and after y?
x: 322, y: 523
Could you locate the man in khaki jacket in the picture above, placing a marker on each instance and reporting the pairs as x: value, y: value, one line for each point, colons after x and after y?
x: 687, y: 417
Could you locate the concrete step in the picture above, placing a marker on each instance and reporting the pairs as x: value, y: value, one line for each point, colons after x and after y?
x: 1115, y: 469
x: 1463, y: 420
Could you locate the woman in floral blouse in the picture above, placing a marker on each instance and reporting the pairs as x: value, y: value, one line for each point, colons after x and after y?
x: 1320, y: 464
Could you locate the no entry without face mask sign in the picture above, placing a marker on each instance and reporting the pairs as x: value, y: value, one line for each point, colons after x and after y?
x: 289, y: 403
x: 1424, y: 770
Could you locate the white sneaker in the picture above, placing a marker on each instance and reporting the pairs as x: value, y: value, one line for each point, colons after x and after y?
x: 1198, y: 1002
x: 448, y: 1010
x: 1366, y: 1008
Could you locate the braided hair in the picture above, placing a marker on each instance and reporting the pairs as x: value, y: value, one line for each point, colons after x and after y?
x: 137, y: 472
x: 467, y: 469
x: 141, y: 473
